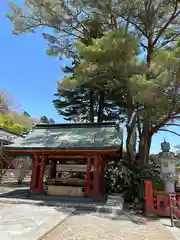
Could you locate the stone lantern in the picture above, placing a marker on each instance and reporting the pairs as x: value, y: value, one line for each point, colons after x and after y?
x: 168, y: 167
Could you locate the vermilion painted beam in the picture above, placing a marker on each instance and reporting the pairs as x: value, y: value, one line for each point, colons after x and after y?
x: 66, y: 156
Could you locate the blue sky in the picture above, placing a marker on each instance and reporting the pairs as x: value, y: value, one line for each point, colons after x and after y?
x: 30, y: 76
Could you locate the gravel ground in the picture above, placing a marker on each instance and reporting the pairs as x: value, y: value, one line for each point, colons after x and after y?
x: 84, y: 226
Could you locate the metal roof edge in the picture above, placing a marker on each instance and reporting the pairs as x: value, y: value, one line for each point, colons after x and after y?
x: 75, y: 125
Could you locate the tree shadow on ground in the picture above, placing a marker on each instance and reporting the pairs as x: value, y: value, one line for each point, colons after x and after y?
x: 43, y: 199
x: 14, y: 185
x: 138, y: 219
x: 15, y: 194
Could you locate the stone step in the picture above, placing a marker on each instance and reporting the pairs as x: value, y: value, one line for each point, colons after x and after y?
x: 115, y: 200
x: 109, y: 210
x: 114, y: 205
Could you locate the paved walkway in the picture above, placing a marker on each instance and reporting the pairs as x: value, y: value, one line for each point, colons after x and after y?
x: 84, y: 226
x: 28, y: 222
x: 166, y: 222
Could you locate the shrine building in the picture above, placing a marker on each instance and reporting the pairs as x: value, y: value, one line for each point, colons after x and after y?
x: 7, y: 136
x: 74, y: 156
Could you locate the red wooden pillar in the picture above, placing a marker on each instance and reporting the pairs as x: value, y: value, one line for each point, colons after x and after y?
x: 149, y: 202
x: 96, y: 189
x: 53, y: 169
x: 34, y: 174
x: 37, y: 174
x: 101, y: 178
x: 41, y: 173
x: 88, y: 176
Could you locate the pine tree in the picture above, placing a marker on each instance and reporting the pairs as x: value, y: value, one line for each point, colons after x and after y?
x: 86, y: 101
x: 44, y: 119
x: 152, y: 99
x: 155, y: 23
x: 51, y: 120
x: 26, y: 114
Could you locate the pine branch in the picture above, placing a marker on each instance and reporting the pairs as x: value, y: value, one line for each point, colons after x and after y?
x: 29, y: 28
x: 164, y: 122
x: 135, y: 25
x: 172, y: 124
x: 144, y: 46
x: 166, y: 130
x: 174, y: 117
x: 170, y: 116
x: 175, y: 14
x: 172, y: 39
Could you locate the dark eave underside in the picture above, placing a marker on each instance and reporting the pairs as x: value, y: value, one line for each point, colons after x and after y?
x: 75, y: 125
x: 52, y: 153
x: 115, y: 148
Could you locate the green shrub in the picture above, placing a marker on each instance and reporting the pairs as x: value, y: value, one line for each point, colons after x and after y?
x: 129, y: 179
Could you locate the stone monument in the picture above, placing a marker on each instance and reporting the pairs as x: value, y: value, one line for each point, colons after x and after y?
x: 168, y: 167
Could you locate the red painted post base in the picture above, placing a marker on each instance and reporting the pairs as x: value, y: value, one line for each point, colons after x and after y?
x: 96, y: 193
x: 95, y: 187
x: 148, y: 197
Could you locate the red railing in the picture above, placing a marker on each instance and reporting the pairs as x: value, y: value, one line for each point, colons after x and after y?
x: 161, y: 203
x: 158, y: 202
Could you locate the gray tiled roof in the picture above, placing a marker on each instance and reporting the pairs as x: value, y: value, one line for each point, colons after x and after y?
x: 70, y: 136
x: 8, y: 136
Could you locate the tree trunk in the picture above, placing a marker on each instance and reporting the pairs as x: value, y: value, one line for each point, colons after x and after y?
x: 146, y: 137
x: 130, y: 142
x: 131, y: 131
x: 101, y: 107
x: 91, y: 98
x: 145, y: 144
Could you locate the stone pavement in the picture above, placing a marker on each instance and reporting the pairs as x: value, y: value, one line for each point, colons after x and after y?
x: 91, y: 226
x: 25, y: 219
x: 28, y: 222
x: 166, y: 222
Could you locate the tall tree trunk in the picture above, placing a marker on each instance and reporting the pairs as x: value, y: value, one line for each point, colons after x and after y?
x: 149, y: 146
x: 144, y: 145
x: 101, y: 106
x: 131, y: 130
x: 145, y: 141
x: 91, y: 100
x: 131, y: 142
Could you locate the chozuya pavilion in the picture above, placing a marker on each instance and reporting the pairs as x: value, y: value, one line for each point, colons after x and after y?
x: 76, y: 156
